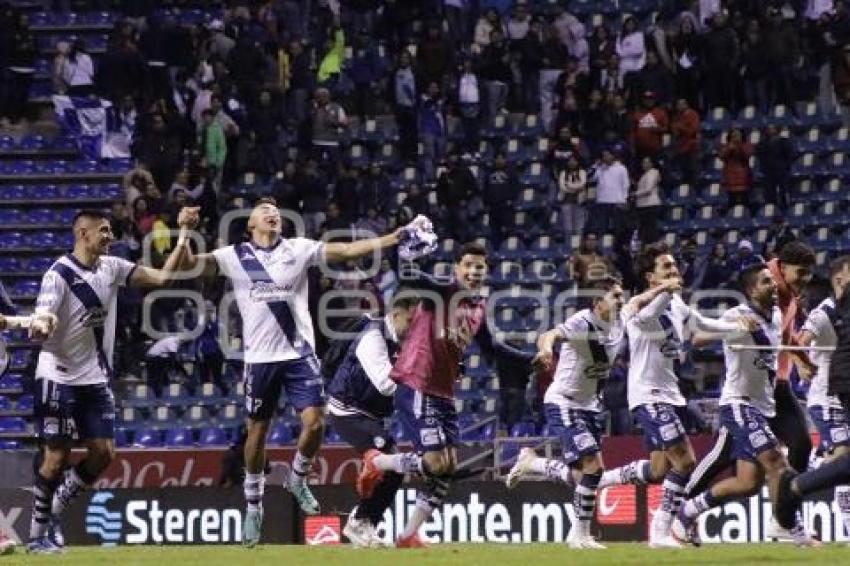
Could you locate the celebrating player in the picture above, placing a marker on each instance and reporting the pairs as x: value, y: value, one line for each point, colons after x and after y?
x: 360, y: 399
x: 827, y: 412
x: 75, y: 315
x: 269, y: 277
x: 591, y: 338
x: 449, y: 317
x: 746, y: 404
x: 656, y: 334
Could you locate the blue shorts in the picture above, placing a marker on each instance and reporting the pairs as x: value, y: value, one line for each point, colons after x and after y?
x: 751, y: 434
x: 429, y: 422
x: 61, y: 411
x: 833, y: 427
x: 661, y: 425
x: 300, y: 379
x: 578, y: 429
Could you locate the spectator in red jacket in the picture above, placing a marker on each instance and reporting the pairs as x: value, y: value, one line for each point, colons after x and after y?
x: 649, y: 123
x: 737, y: 177
x: 686, y: 141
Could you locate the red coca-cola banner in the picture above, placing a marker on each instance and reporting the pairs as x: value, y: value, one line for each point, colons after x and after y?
x: 334, y: 465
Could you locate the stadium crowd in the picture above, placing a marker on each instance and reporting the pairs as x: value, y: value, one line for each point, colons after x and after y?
x: 287, y: 95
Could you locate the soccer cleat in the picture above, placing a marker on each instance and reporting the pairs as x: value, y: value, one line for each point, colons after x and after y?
x: 665, y: 541
x: 787, y: 502
x: 370, y: 476
x: 797, y: 534
x: 54, y: 532
x: 413, y: 541
x: 251, y: 527
x: 586, y: 542
x: 43, y: 545
x: 521, y: 468
x: 7, y: 545
x: 360, y: 532
x: 684, y: 530
x: 301, y: 491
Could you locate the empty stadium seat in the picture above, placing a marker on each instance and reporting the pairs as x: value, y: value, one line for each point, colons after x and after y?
x: 25, y: 403
x: 280, y: 434
x: 148, y: 438
x: 213, y: 436
x: 179, y: 438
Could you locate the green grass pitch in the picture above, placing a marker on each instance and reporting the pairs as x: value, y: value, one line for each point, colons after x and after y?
x: 443, y: 555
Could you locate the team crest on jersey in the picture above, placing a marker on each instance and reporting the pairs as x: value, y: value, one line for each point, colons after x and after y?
x: 268, y: 292
x: 94, y: 317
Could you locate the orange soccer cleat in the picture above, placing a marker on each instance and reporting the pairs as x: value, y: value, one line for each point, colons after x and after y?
x: 370, y: 476
x: 413, y: 541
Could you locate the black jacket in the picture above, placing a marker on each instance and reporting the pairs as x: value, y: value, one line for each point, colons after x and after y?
x: 839, y: 367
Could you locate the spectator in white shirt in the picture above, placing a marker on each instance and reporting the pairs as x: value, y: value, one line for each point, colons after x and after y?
x: 469, y: 99
x: 74, y: 70
x: 612, y: 194
x: 630, y: 47
x: 572, y: 192
x: 519, y: 22
x: 648, y: 201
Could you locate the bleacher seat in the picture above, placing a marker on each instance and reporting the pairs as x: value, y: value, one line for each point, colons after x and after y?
x: 512, y: 248
x: 197, y: 414
x: 176, y: 395
x: 717, y: 120
x: 25, y: 403
x: 8, y: 264
x: 12, y: 424
x: 11, y: 383
x: 213, y: 436
x: 280, y: 434
x: 522, y: 429
x: 5, y: 403
x: 148, y: 438
x: 840, y: 141
x: 179, y: 438
x: 141, y: 395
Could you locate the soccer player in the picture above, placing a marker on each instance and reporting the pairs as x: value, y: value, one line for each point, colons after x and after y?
x: 746, y: 404
x: 656, y: 333
x: 827, y: 412
x: 451, y: 315
x: 269, y: 277
x: 75, y: 316
x: 591, y: 338
x: 792, y: 270
x: 360, y: 398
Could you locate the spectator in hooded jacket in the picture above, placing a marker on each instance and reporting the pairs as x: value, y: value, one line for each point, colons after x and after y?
x: 649, y: 124
x: 737, y: 177
x: 686, y: 141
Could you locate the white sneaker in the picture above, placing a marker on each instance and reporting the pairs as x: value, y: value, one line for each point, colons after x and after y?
x: 521, y: 468
x: 797, y: 535
x: 360, y: 532
x: 587, y: 542
x: 664, y: 541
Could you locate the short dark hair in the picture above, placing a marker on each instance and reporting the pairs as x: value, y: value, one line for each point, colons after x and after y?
x: 645, y: 260
x: 266, y: 200
x: 404, y: 299
x: 797, y: 253
x: 471, y: 248
x: 89, y: 214
x: 749, y: 277
x: 602, y: 286
x: 838, y: 264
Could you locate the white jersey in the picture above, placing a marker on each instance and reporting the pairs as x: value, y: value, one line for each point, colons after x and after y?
x: 819, y: 323
x: 79, y: 352
x: 655, y: 344
x: 750, y: 374
x: 589, y: 347
x: 270, y: 285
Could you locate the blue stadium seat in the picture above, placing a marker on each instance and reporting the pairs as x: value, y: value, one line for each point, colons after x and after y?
x: 175, y: 395
x: 511, y: 248
x: 213, y: 436
x: 358, y: 156
x: 5, y: 403
x: 129, y: 415
x: 840, y: 141
x: 515, y: 152
x: 20, y: 359
x: 798, y: 216
x: 10, y: 216
x: 683, y: 195
x: 40, y: 216
x: 829, y: 214
x: 197, y: 414
x: 163, y: 415
x: 281, y: 434
x: 717, y: 120
x: 179, y: 438
x: 530, y: 200
x: 535, y: 175
x: 7, y: 143
x: 12, y: 424
x: 34, y: 142
x: 11, y: 383
x: 231, y: 415
x: 706, y: 219
x: 141, y: 395
x: 836, y: 165
x: 10, y: 192
x: 42, y: 240
x: 765, y: 216
x: 804, y: 191
x: 810, y: 142
x: 523, y: 429
x: 506, y: 273
x: 79, y: 191
x: 65, y: 216
x: 26, y: 287
x: 544, y: 247
x: 749, y: 118
x: 122, y: 438
x: 38, y: 264
x: 498, y: 129
x: 332, y: 436
x: 8, y: 264
x: 530, y: 128
x: 109, y: 191
x: 542, y: 270
x: 782, y: 117
x: 148, y: 438
x: 25, y: 403
x: 45, y: 192
x: 738, y: 218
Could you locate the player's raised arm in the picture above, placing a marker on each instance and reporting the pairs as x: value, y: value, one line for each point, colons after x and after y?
x: 144, y: 276
x: 416, y: 239
x: 651, y: 303
x: 339, y: 252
